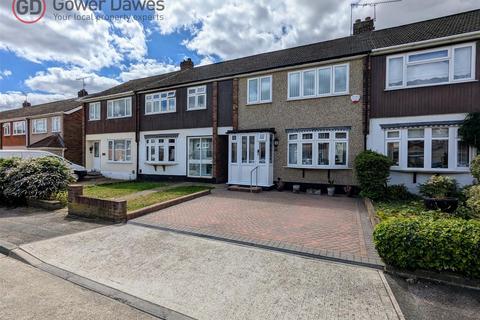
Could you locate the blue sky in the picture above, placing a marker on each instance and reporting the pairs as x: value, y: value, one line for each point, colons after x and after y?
x: 44, y: 59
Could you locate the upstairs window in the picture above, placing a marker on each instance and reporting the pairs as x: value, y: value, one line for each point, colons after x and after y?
x: 259, y: 90
x: 6, y: 129
x: 19, y: 128
x: 56, y: 124
x: 39, y: 126
x: 94, y: 111
x: 120, y: 108
x: 160, y: 102
x: 431, y: 67
x: 319, y: 82
x: 197, y: 98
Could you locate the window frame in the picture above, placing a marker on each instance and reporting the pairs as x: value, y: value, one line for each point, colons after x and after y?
x: 7, y: 126
x: 196, y: 95
x: 165, y: 146
x: 112, y: 160
x: 128, y: 107
x: 394, y: 140
x: 200, y: 161
x: 259, y: 90
x: 23, y: 132
x: 167, y: 98
x: 34, y: 126
x: 59, y: 129
x: 97, y: 109
x: 451, y: 70
x: 297, y: 138
x: 316, y: 94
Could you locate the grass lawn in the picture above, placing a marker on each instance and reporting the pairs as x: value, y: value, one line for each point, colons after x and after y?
x: 162, y: 196
x: 119, y: 189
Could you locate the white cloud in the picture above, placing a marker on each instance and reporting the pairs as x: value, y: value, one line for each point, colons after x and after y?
x: 64, y: 81
x: 14, y: 99
x: 231, y: 28
x: 5, y: 74
x: 146, y: 68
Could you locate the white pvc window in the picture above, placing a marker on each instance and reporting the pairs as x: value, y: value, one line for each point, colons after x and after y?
x: 39, y: 126
x: 200, y: 155
x: 120, y: 150
x: 259, y: 90
x: 94, y: 111
x: 160, y: 150
x: 19, y: 128
x: 197, y: 98
x: 6, y: 129
x: 393, y: 146
x: 431, y: 67
x: 56, y: 124
x: 322, y: 149
x: 319, y: 82
x: 160, y: 102
x: 119, y: 108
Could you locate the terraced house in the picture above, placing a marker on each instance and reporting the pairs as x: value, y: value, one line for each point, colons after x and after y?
x: 421, y: 91
x: 56, y: 127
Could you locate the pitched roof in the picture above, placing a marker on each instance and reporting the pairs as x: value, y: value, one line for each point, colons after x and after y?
x: 343, y: 47
x: 45, y: 108
x: 53, y: 141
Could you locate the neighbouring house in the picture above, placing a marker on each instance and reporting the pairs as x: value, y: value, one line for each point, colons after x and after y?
x: 56, y: 127
x: 421, y: 91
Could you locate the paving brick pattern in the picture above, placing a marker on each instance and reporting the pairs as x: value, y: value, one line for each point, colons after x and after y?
x: 335, y: 227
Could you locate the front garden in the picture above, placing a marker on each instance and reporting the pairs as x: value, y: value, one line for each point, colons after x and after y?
x: 439, y: 231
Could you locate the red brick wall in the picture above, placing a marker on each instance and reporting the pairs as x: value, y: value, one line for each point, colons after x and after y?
x: 73, y: 135
x: 11, y: 140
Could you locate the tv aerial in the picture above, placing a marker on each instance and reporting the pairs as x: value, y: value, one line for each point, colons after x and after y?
x: 367, y: 4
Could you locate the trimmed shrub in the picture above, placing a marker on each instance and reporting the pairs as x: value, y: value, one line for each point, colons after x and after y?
x: 373, y: 170
x: 475, y: 168
x: 473, y: 200
x: 5, y: 166
x: 39, y: 178
x: 430, y: 244
x: 439, y: 187
x: 399, y: 192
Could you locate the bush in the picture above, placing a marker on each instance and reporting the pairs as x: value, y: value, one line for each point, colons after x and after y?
x: 422, y: 243
x: 39, y: 178
x: 473, y: 200
x: 399, y: 192
x: 439, y: 187
x: 470, y: 130
x: 373, y: 170
x: 5, y: 166
x: 475, y: 168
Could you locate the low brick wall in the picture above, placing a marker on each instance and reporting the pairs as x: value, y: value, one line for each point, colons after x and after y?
x: 82, y: 206
x: 374, y: 219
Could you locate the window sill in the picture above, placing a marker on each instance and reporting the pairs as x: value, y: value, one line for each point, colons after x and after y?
x: 155, y: 113
x: 153, y: 163
x: 39, y: 132
x: 196, y: 109
x: 91, y: 120
x: 113, y: 118
x: 318, y: 168
x: 432, y: 170
x: 319, y: 97
x: 17, y: 134
x: 258, y: 103
x: 119, y: 162
x: 431, y: 85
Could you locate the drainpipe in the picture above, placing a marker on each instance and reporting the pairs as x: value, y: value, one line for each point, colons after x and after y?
x: 136, y: 103
x: 366, y: 98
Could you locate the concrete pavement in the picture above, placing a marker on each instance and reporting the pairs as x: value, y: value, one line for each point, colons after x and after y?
x: 28, y: 293
x: 207, y: 279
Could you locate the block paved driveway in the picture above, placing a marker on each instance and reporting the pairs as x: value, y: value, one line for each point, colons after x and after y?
x: 333, y: 227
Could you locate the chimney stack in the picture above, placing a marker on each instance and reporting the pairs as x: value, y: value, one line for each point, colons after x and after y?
x: 82, y: 93
x: 26, y: 104
x: 363, y: 26
x: 186, y: 64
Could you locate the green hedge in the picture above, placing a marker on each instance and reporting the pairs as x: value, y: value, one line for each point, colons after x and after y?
x: 430, y: 244
x: 372, y: 170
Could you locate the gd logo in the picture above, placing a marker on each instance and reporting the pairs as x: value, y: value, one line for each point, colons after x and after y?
x: 29, y: 11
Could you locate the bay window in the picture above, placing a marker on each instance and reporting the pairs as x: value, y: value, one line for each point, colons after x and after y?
x: 197, y: 98
x: 119, y: 108
x: 161, y: 102
x: 120, y: 150
x: 318, y: 149
x: 200, y: 155
x: 431, y: 67
x: 259, y: 90
x: 318, y: 82
x: 19, y: 128
x: 393, y: 147
x: 39, y: 126
x: 416, y: 148
x: 160, y: 150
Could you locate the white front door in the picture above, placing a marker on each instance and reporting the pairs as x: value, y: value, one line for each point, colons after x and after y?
x: 97, y: 164
x: 250, y: 160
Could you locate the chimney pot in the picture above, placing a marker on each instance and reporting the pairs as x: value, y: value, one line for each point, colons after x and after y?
x: 26, y: 104
x: 363, y: 26
x: 186, y: 64
x: 82, y: 93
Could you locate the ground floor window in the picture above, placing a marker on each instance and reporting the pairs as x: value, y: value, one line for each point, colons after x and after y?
x: 160, y: 149
x: 200, y: 156
x: 318, y: 149
x: 120, y: 150
x: 427, y: 148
